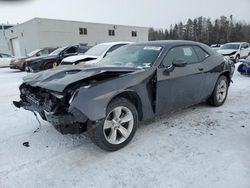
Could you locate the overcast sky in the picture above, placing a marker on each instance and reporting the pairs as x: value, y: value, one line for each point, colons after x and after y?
x: 156, y: 13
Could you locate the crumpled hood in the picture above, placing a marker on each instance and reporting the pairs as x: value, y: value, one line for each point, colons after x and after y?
x: 75, y: 58
x: 59, y: 78
x: 226, y: 51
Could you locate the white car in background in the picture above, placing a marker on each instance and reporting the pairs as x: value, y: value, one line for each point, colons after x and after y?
x: 5, y: 60
x: 235, y: 50
x: 94, y: 54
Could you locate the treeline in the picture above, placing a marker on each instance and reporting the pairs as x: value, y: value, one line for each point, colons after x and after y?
x: 205, y: 30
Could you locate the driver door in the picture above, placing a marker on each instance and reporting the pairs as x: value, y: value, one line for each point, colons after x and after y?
x: 178, y: 87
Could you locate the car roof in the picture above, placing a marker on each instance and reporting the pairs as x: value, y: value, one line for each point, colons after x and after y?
x: 170, y: 42
x: 236, y: 43
x: 114, y: 43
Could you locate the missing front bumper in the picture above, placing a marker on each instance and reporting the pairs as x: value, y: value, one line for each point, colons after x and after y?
x: 71, y: 122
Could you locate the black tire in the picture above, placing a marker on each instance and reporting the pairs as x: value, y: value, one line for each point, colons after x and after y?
x: 96, y: 130
x: 213, y: 99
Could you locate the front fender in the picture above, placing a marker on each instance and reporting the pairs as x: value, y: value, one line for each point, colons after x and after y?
x: 93, y: 101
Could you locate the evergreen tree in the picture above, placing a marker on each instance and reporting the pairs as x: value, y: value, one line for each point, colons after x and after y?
x: 205, y: 30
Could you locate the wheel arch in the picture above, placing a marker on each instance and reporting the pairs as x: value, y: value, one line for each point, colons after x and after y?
x: 227, y: 75
x: 131, y: 96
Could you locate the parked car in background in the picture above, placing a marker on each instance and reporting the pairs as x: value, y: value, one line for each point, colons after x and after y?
x: 134, y: 83
x: 5, y: 59
x: 54, y: 58
x: 94, y: 54
x: 216, y: 46
x: 235, y: 50
x: 244, y: 67
x: 20, y: 63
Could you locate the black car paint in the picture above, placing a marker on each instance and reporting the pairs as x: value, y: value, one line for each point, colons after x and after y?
x: 39, y: 63
x: 154, y: 91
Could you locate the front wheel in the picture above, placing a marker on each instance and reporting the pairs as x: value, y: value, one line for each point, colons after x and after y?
x: 118, y: 127
x: 219, y: 94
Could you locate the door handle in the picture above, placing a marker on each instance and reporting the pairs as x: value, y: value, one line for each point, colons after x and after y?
x: 200, y: 69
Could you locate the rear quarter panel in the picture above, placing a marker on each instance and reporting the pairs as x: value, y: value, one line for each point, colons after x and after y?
x: 214, y: 66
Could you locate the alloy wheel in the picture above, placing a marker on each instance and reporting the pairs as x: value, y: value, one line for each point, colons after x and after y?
x: 221, y: 92
x: 118, y: 125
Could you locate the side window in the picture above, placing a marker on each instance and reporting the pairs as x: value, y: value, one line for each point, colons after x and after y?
x: 51, y: 50
x: 71, y: 50
x: 181, y: 52
x: 244, y: 46
x: 44, y: 52
x: 202, y: 55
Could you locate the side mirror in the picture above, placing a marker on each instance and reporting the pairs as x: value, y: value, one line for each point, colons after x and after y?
x: 179, y: 63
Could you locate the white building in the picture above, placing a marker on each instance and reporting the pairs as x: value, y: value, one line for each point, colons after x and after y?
x: 40, y: 32
x: 3, y: 39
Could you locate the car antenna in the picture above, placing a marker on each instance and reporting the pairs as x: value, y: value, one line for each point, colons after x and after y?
x: 40, y: 125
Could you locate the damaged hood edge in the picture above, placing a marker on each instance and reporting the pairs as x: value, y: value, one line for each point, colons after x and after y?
x: 59, y: 78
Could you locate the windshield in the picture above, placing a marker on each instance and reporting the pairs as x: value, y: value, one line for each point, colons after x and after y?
x: 138, y: 56
x: 33, y: 52
x: 57, y: 51
x: 230, y: 47
x: 97, y: 50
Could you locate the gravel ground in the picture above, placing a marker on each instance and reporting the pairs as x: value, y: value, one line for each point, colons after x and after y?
x: 198, y: 147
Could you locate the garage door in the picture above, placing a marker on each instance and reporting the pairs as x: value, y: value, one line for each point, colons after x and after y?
x: 16, y: 47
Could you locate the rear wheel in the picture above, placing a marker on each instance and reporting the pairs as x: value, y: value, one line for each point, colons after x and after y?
x: 219, y: 94
x: 118, y: 127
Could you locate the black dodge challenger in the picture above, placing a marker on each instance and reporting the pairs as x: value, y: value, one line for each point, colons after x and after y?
x: 137, y: 82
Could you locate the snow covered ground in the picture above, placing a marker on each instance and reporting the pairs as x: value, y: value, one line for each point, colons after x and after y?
x: 199, y: 147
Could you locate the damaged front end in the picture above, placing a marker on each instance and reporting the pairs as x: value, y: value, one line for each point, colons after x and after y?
x: 69, y: 96
x: 53, y: 107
